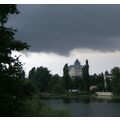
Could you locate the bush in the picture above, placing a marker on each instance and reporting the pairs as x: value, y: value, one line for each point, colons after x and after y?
x: 47, y: 111
x: 57, y: 89
x: 35, y: 108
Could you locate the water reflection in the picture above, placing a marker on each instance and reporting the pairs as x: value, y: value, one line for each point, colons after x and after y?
x: 88, y: 106
x: 87, y: 100
x: 66, y: 100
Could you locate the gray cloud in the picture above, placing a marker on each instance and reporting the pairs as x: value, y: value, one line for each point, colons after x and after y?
x: 61, y: 28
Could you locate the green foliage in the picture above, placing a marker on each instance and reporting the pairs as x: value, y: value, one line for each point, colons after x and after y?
x: 14, y: 88
x: 97, y: 80
x: 6, y: 10
x: 40, y: 78
x: 66, y: 77
x: 55, y: 85
x: 77, y: 83
x: 57, y: 89
x: 86, y: 78
x: 100, y: 87
x: 31, y: 73
x: 35, y: 108
x: 17, y: 92
x: 109, y: 85
x: 116, y: 80
x: 55, y: 79
x: 47, y: 111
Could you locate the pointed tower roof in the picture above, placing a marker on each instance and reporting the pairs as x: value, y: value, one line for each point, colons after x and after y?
x: 77, y: 63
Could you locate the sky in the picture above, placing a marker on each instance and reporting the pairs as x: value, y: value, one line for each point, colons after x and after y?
x: 60, y: 34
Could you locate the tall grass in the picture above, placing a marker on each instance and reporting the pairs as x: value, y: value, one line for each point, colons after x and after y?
x: 47, y: 111
x: 35, y: 108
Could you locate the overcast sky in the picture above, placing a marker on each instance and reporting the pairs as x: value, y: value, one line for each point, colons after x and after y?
x: 59, y: 34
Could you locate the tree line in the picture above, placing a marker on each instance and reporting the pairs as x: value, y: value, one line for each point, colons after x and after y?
x: 54, y: 84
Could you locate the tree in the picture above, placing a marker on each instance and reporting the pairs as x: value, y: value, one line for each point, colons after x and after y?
x: 31, y: 73
x: 55, y: 85
x: 5, y: 11
x: 66, y: 77
x: 14, y: 89
x: 86, y: 76
x: 116, y: 80
x: 40, y: 77
x: 55, y: 79
x: 98, y: 81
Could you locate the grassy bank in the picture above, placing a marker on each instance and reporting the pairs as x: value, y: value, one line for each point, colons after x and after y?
x: 47, y: 111
x: 82, y: 97
x: 37, y: 108
x: 66, y: 95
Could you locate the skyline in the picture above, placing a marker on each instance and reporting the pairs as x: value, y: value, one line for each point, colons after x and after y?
x: 56, y: 63
x: 68, y: 32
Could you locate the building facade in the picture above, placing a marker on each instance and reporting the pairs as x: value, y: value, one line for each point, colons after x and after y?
x: 76, y: 69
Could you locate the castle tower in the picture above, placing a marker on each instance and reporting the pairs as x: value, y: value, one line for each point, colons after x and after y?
x: 76, y: 69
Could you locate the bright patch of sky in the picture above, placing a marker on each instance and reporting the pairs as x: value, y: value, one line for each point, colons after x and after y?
x: 98, y: 61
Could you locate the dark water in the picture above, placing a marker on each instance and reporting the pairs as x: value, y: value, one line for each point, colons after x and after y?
x: 87, y: 108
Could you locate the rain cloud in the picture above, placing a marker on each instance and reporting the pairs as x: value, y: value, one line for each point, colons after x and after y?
x: 62, y: 28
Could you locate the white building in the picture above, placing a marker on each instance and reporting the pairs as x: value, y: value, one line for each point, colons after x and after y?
x: 76, y: 69
x: 107, y: 77
x: 104, y: 93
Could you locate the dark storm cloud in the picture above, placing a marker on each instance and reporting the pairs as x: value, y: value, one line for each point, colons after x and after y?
x: 61, y: 28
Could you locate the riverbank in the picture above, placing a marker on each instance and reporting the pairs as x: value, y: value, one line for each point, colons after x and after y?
x: 87, y: 97
x: 84, y: 105
x: 77, y: 108
x: 66, y: 95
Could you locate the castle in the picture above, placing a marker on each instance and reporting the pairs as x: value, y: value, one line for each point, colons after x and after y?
x: 76, y: 69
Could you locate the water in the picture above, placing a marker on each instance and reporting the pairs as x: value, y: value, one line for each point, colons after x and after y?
x: 80, y: 108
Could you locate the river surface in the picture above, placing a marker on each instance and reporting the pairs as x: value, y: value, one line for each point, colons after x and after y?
x: 86, y: 108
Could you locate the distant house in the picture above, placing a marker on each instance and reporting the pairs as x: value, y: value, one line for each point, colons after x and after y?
x: 93, y: 88
x: 108, y: 76
x: 76, y: 69
x: 73, y: 90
